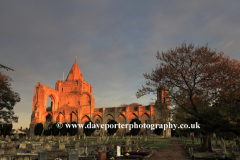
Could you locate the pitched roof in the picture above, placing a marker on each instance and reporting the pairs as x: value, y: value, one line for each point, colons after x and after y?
x: 74, y: 73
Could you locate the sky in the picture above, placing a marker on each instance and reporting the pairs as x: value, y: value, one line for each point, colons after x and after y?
x: 115, y: 42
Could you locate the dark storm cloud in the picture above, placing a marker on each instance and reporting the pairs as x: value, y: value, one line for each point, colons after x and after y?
x: 115, y: 42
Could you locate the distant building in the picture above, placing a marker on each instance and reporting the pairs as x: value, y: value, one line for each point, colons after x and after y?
x: 72, y: 100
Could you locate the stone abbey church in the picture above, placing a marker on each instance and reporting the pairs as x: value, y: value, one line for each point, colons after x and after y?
x: 72, y: 100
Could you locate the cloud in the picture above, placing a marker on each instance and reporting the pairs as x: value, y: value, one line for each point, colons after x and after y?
x: 115, y: 42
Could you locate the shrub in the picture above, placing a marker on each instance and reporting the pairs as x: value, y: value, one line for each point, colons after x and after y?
x: 112, y: 129
x: 73, y: 131
x: 134, y: 131
x: 88, y: 128
x: 55, y: 130
x: 128, y: 134
x: 47, y: 132
x: 63, y: 130
x: 38, y: 129
x: 158, y: 131
x: 5, y: 129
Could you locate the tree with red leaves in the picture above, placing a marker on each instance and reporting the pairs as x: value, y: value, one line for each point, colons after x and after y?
x: 203, y: 85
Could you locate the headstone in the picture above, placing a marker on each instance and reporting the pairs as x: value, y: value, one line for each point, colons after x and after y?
x: 47, y: 146
x: 61, y: 146
x: 29, y: 145
x: 118, y: 151
x: 145, y: 138
x: 76, y: 145
x: 80, y: 150
x: 130, y: 148
x: 38, y: 148
x: 237, y: 142
x: 23, y: 145
x: 86, y: 151
x: 223, y: 146
x: 125, y: 148
x: 1, y: 151
x: 73, y: 155
x: 13, y: 150
x: 230, y: 150
x: 2, y: 145
x: 102, y: 148
x: 102, y: 155
x: 42, y: 155
x: 210, y: 145
x: 214, y: 135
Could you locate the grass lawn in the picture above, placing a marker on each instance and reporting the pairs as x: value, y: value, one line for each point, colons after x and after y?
x: 213, y: 141
x: 161, y: 146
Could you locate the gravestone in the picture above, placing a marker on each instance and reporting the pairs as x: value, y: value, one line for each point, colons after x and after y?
x: 76, y: 145
x: 80, y: 150
x: 210, y: 145
x: 38, y: 148
x: 145, y: 138
x: 125, y: 148
x: 102, y: 155
x: 29, y: 146
x: 223, y: 146
x: 47, y: 146
x: 237, y: 142
x: 86, y: 151
x: 61, y: 146
x: 42, y: 155
x: 118, y: 151
x: 12, y: 150
x: 102, y: 148
x: 2, y: 145
x: 230, y: 150
x: 73, y: 155
x: 1, y: 151
x: 23, y: 145
x: 192, y: 139
x: 214, y: 135
x: 130, y: 148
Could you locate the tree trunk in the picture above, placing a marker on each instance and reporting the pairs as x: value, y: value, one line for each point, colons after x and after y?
x: 207, y: 146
